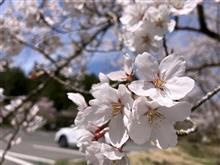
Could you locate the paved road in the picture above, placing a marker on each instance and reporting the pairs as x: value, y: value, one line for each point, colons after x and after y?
x: 38, y: 146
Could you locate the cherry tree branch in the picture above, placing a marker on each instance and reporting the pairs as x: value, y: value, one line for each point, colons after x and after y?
x: 47, y: 56
x: 207, y: 32
x: 1, y: 2
x: 34, y: 92
x: 80, y: 48
x: 208, y: 96
x: 203, y: 25
x: 66, y: 83
x: 204, y: 66
x: 9, y: 144
x: 165, y: 46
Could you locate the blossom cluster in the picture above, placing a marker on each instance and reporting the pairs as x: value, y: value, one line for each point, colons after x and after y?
x: 146, y: 22
x: 139, y: 110
x: 26, y: 114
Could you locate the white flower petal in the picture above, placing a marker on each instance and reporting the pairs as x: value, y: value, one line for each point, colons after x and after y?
x: 105, y: 93
x: 131, y: 19
x: 78, y: 99
x: 179, y: 112
x: 94, y: 154
x: 83, y: 137
x: 183, y: 7
x: 179, y: 87
x: 172, y: 66
x: 117, y: 76
x: 94, y: 102
x: 125, y: 96
x: 139, y: 130
x: 147, y: 66
x: 163, y: 99
x: 117, y: 131
x: 111, y: 152
x: 128, y: 64
x: 96, y: 115
x: 103, y: 78
x: 171, y: 25
x: 126, y: 116
x: 139, y: 107
x: 165, y: 133
x: 142, y: 88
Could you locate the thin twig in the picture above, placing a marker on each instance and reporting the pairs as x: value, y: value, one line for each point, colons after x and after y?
x: 9, y: 144
x: 34, y: 92
x: 165, y: 46
x: 81, y: 47
x: 46, y: 55
x: 202, y: 18
x: 204, y: 66
x: 66, y: 84
x: 209, y: 33
x: 1, y: 2
x: 208, y: 96
x: 203, y: 25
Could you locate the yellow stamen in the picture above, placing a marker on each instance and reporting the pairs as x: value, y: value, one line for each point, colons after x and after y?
x: 146, y: 39
x: 178, y: 4
x: 117, y: 108
x: 159, y: 84
x: 159, y: 23
x: 152, y: 115
x: 114, y: 162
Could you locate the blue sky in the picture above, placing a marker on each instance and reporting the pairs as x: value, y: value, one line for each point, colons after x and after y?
x: 98, y: 63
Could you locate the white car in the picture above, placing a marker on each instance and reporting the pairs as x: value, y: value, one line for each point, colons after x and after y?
x: 66, y: 137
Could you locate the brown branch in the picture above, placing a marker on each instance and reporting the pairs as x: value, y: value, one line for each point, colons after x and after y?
x: 9, y: 145
x: 203, y: 25
x: 204, y: 66
x: 101, y: 51
x: 201, y: 18
x: 52, y: 27
x: 47, y: 56
x: 1, y: 2
x: 66, y: 84
x: 165, y: 46
x: 207, y: 32
x: 80, y: 48
x: 34, y: 92
x: 208, y: 96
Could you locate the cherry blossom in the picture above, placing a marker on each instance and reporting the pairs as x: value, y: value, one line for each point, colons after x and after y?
x: 104, y: 154
x: 126, y: 74
x: 144, y: 39
x: 134, y: 15
x: 113, y: 105
x: 78, y: 99
x: 151, y: 121
x: 103, y: 79
x: 160, y: 17
x: 183, y: 7
x: 164, y: 82
x: 86, y: 117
